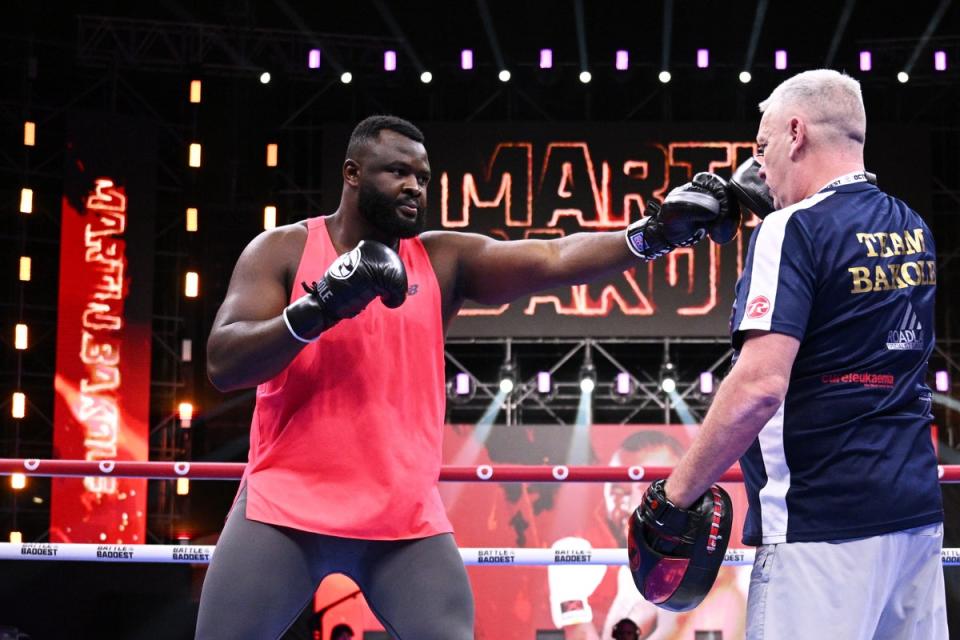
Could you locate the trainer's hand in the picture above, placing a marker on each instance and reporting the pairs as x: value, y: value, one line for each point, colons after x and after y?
x: 572, y: 585
x: 368, y: 271
x: 682, y: 220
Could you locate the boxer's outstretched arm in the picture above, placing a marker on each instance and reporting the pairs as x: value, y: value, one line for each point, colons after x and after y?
x: 249, y: 342
x: 494, y: 271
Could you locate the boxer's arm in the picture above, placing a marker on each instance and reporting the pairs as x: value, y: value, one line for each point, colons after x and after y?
x: 493, y: 271
x: 745, y: 401
x: 249, y: 342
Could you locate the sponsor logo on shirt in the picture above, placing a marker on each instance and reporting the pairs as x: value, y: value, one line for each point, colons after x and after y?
x: 412, y: 291
x: 908, y: 335
x: 758, y: 307
x: 866, y: 379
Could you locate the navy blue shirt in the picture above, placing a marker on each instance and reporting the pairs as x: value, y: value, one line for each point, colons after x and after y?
x: 850, y: 272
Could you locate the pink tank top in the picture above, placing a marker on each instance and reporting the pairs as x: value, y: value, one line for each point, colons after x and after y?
x: 347, y: 440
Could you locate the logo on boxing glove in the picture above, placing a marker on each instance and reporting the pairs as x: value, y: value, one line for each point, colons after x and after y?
x: 344, y: 266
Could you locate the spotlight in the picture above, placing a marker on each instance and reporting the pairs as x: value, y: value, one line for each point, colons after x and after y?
x: 313, y: 59
x: 780, y: 59
x: 703, y: 58
x: 389, y: 60
x: 942, y: 379
x: 745, y: 77
x: 426, y: 77
x: 585, y: 77
x: 466, y: 59
x: 588, y: 378
x: 346, y: 77
x: 265, y: 77
x: 707, y: 383
x: 508, y: 378
x: 903, y: 77
x: 504, y: 75
x: 940, y: 60
x: 664, y: 76
x: 623, y: 388
x: 668, y: 378
x: 544, y: 383
x: 546, y: 58
x: 622, y: 60
x: 866, y: 61
x: 461, y: 388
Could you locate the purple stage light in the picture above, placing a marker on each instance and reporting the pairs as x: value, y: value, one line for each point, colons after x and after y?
x: 703, y: 58
x: 544, y: 384
x: 462, y: 384
x: 389, y: 60
x: 940, y: 60
x: 466, y: 59
x: 866, y: 61
x: 313, y: 59
x: 942, y: 379
x: 780, y: 59
x: 623, y: 60
x: 546, y: 58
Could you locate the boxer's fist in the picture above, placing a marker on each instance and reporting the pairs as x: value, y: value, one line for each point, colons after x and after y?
x: 724, y: 228
x: 368, y: 271
x: 682, y: 220
x: 572, y: 585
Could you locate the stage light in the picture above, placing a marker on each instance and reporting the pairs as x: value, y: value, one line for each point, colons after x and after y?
x: 185, y: 413
x: 29, y: 133
x: 624, y: 384
x: 272, y: 150
x: 745, y: 77
x: 26, y: 200
x: 186, y: 350
x: 942, y: 381
x: 193, y: 219
x: 25, y: 264
x: 664, y: 77
x: 504, y: 75
x: 269, y: 217
x: 940, y: 60
x: 346, y: 77
x: 544, y: 383
x: 19, y: 405
x: 866, y: 61
x: 668, y: 377
x: 191, y: 288
x: 508, y: 378
x: 195, y: 154
x: 622, y: 60
x: 16, y: 537
x: 780, y: 59
x: 313, y: 59
x: 462, y: 384
x: 265, y: 77
x: 466, y: 59
x: 196, y: 91
x: 585, y: 76
x: 389, y: 60
x: 546, y: 58
x: 903, y: 77
x: 18, y: 481
x: 703, y: 58
x: 20, y: 333
x: 183, y: 489
x: 707, y: 383
x: 426, y: 77
x: 588, y: 378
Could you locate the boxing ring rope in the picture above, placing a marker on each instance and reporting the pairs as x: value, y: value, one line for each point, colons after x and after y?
x: 472, y: 556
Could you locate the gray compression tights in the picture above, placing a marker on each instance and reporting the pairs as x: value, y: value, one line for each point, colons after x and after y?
x: 263, y: 575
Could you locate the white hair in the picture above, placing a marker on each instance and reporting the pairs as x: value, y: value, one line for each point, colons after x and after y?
x: 826, y: 97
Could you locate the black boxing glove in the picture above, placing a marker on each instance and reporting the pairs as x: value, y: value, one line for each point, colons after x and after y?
x: 369, y: 270
x: 749, y: 190
x: 681, y: 221
x: 727, y: 224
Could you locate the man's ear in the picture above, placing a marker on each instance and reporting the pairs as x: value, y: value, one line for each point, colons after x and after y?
x: 351, y: 172
x: 798, y: 137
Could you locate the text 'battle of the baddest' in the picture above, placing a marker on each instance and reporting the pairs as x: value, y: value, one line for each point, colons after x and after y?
x: 102, y: 384
x: 516, y: 181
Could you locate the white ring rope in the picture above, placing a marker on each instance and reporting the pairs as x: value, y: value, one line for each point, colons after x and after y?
x: 472, y: 556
